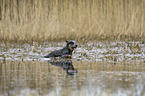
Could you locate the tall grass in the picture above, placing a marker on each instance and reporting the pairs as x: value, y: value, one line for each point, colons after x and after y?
x: 82, y: 20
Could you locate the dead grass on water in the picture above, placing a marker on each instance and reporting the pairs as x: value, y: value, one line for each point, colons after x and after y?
x: 82, y: 20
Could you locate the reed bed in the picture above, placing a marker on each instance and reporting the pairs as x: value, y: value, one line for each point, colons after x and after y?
x: 81, y: 20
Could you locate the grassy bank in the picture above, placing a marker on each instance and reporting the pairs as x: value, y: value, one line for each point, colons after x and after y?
x: 82, y: 20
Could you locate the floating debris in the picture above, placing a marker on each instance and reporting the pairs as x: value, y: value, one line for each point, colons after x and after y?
x: 91, y: 51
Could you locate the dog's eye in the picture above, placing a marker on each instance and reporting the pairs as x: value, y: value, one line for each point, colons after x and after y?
x: 72, y: 43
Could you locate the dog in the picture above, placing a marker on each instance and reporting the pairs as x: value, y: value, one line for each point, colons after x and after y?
x: 64, y: 52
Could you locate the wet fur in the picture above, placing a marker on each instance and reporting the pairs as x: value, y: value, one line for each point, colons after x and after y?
x: 65, y: 52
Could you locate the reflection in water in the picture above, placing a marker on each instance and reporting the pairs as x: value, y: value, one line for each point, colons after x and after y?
x: 66, y: 64
x: 35, y: 78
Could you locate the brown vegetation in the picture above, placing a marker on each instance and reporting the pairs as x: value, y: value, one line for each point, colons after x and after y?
x: 82, y: 20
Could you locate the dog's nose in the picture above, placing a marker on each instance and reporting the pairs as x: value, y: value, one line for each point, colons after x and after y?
x: 76, y: 45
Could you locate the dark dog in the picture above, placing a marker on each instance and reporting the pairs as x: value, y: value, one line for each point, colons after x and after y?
x: 65, y: 52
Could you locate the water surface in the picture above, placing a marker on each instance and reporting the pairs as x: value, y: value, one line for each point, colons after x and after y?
x: 90, y: 51
x: 96, y: 69
x: 92, y: 79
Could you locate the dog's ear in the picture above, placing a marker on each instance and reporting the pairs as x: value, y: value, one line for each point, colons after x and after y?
x: 66, y: 41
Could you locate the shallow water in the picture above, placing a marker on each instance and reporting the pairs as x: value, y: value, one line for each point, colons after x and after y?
x: 34, y: 78
x: 97, y: 69
x: 90, y: 51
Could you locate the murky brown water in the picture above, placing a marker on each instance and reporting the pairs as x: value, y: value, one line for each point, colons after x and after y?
x: 97, y: 69
x: 34, y: 78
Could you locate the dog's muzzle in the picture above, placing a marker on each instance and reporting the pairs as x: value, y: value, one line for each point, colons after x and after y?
x: 75, y: 47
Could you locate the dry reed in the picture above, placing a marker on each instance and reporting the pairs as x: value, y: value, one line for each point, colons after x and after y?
x: 82, y: 20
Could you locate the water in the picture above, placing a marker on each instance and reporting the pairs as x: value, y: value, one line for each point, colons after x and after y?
x: 91, y: 72
x: 91, y: 51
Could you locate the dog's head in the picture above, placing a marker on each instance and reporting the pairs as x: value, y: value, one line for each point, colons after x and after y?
x: 71, y: 45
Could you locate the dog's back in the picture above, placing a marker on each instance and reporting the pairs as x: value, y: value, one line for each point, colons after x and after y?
x: 66, y: 51
x: 59, y: 53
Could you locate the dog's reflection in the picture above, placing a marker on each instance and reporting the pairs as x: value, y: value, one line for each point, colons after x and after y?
x: 65, y: 64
